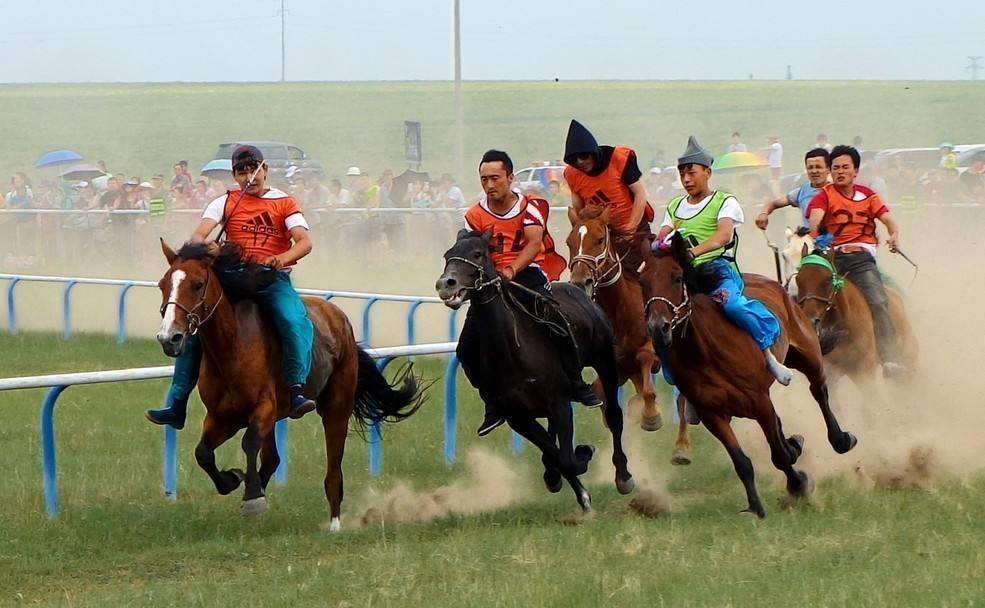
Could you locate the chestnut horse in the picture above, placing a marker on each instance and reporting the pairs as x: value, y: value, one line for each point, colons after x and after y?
x: 241, y: 382
x: 842, y: 317
x: 719, y: 369
x: 598, y: 271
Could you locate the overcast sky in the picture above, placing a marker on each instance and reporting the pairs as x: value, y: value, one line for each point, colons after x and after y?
x: 212, y: 40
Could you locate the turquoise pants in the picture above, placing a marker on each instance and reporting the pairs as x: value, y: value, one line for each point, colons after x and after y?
x: 284, y: 308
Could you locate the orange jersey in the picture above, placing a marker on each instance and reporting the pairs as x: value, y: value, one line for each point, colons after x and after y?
x: 607, y: 189
x: 261, y: 225
x: 508, y: 239
x: 849, y: 220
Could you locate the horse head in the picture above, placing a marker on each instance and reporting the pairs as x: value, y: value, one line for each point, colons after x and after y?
x: 664, y: 275
x: 794, y: 251
x: 468, y: 268
x: 189, y: 294
x: 593, y: 261
x: 817, y: 284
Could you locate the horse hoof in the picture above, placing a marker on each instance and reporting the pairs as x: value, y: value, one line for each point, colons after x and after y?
x: 680, y: 458
x: 806, y: 487
x: 253, y: 507
x: 845, y: 444
x: 652, y: 424
x: 553, y: 482
x: 584, y: 452
x: 759, y: 513
x: 625, y: 486
x: 797, y: 443
x: 335, y: 525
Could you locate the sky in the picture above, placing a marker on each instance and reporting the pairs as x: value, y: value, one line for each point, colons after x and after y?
x: 239, y: 40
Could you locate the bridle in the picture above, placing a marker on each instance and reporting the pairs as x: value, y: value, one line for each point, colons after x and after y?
x: 595, y: 262
x: 836, y: 283
x: 682, y: 311
x: 482, y: 281
x: 194, y: 321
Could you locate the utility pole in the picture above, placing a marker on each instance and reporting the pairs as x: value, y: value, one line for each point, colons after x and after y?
x: 282, y: 46
x: 789, y: 72
x: 973, y: 66
x: 459, y: 112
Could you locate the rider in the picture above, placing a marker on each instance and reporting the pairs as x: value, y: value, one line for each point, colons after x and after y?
x: 708, y: 221
x: 523, y: 252
x: 609, y: 177
x: 848, y: 212
x: 264, y: 221
x: 817, y: 165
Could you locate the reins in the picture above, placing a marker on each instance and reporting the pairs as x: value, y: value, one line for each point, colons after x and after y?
x: 594, y: 262
x: 194, y: 322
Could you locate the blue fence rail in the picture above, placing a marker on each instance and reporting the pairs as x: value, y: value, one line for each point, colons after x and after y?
x: 56, y: 385
x: 125, y: 285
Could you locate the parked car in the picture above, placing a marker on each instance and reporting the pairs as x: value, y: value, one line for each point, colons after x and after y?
x: 280, y: 156
x: 539, y: 177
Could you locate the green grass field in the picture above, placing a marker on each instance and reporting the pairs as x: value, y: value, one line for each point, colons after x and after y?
x: 119, y: 542
x: 145, y: 128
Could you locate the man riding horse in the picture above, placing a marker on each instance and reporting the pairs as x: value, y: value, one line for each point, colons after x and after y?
x: 608, y: 176
x: 848, y: 212
x: 708, y: 221
x: 269, y: 226
x: 523, y: 252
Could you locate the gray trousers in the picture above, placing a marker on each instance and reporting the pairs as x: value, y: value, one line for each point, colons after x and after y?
x: 860, y: 268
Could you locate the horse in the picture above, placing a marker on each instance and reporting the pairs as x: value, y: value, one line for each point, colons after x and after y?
x: 842, y: 317
x: 598, y: 271
x: 720, y: 370
x: 205, y: 292
x: 508, y: 354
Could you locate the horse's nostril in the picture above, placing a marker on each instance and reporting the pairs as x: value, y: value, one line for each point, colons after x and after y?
x: 175, y: 338
x: 665, y: 327
x: 450, y: 282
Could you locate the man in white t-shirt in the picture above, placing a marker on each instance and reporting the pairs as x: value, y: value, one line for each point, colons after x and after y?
x: 708, y: 221
x: 775, y: 157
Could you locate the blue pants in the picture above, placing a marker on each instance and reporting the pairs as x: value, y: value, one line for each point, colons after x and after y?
x: 284, y: 308
x: 751, y: 315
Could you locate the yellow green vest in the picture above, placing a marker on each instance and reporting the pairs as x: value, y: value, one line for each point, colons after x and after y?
x: 703, y: 226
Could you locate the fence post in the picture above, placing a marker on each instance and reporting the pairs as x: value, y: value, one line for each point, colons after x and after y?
x: 121, y: 331
x: 49, y: 464
x: 280, y: 437
x: 451, y: 408
x: 375, y: 436
x: 170, y: 463
x: 410, y: 320
x: 452, y: 325
x: 11, y: 308
x: 367, y: 325
x: 67, y: 310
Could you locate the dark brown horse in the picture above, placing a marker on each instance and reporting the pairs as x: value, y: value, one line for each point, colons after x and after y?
x: 241, y: 383
x: 720, y: 370
x: 841, y: 314
x: 597, y: 270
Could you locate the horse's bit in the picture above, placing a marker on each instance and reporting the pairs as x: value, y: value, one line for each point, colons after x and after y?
x: 594, y: 262
x: 194, y: 322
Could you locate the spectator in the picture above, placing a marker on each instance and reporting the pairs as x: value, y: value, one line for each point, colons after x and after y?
x: 337, y: 195
x: 775, y: 158
x: 857, y: 143
x: 201, y: 196
x: 120, y: 179
x: 318, y: 193
x: 352, y: 179
x: 736, y: 145
x: 822, y: 142
x: 101, y: 165
x: 422, y: 196
x: 557, y: 196
x: 450, y: 195
x: 109, y: 199
x: 184, y: 170
x: 973, y: 179
x: 394, y: 223
x: 180, y: 179
x: 949, y: 158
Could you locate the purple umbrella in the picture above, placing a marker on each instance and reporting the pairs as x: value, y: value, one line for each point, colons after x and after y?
x: 82, y: 172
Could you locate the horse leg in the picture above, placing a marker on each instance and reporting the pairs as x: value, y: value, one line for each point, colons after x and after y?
x: 813, y: 368
x: 719, y: 426
x: 682, y: 447
x: 259, y: 430
x: 784, y: 451
x: 532, y: 430
x: 552, y: 476
x: 613, y: 416
x: 269, y: 459
x: 335, y: 421
x: 651, y: 419
x: 215, y: 434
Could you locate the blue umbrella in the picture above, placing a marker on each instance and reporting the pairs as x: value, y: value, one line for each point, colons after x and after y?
x: 58, y: 157
x: 219, y: 164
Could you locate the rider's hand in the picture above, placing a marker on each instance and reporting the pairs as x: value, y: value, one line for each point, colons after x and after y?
x: 274, y: 262
x: 507, y: 273
x: 762, y: 220
x: 893, y: 242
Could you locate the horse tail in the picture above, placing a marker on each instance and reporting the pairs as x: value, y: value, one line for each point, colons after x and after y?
x: 379, y: 401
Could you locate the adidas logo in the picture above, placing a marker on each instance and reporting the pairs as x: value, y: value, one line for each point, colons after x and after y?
x: 599, y: 198
x: 259, y: 225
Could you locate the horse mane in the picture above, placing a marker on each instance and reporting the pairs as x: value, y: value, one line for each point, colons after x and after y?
x: 240, y: 277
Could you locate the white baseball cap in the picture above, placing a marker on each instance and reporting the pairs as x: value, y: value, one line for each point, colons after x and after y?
x: 353, y: 172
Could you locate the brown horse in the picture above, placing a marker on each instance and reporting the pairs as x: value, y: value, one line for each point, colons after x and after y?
x: 843, y: 319
x: 241, y: 383
x: 719, y: 369
x: 597, y: 270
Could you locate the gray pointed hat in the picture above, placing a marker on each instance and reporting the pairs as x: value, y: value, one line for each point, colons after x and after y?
x: 695, y: 154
